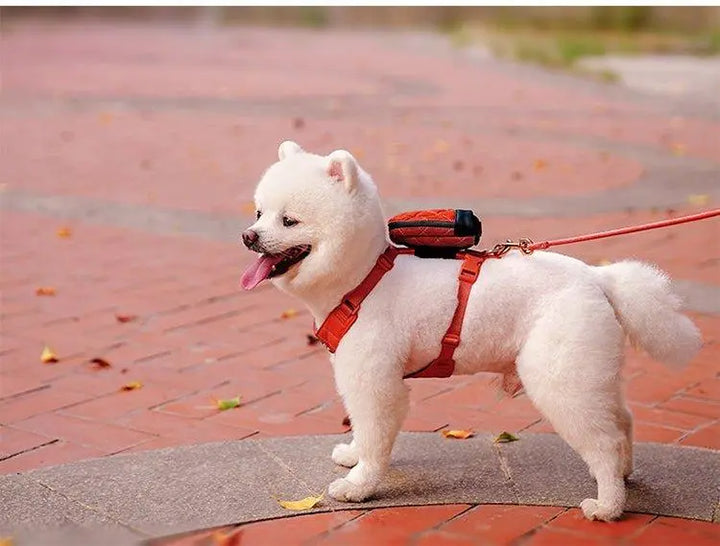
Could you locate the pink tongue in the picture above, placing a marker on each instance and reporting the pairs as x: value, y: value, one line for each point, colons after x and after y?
x: 258, y: 271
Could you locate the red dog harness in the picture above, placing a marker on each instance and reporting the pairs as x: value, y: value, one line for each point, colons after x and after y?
x: 341, y: 319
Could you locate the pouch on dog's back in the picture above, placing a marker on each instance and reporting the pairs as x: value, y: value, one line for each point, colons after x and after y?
x: 433, y: 233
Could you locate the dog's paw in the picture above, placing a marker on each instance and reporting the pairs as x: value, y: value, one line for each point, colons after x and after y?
x: 593, y: 510
x: 346, y: 491
x: 345, y: 455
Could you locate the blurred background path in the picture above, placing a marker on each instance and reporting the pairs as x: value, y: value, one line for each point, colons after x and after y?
x: 130, y: 150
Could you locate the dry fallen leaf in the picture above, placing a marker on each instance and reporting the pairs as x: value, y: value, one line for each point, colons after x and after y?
x: 125, y: 318
x: 441, y: 146
x: 303, y: 504
x: 232, y: 539
x: 48, y: 356
x: 100, y: 363
x: 311, y: 339
x: 698, y: 199
x: 505, y: 437
x: 346, y: 421
x: 132, y: 386
x: 458, y: 434
x: 64, y: 232
x: 45, y: 291
x: 6, y: 541
x: 288, y: 313
x: 539, y: 164
x: 227, y: 404
x: 678, y: 149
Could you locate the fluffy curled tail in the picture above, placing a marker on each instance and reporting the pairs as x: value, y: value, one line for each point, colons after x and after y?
x: 648, y: 311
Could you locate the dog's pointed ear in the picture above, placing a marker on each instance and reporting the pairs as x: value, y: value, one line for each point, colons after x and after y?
x: 342, y: 167
x: 288, y: 148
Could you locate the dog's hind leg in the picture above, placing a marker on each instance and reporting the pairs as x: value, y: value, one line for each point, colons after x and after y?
x: 570, y: 368
x: 377, y: 405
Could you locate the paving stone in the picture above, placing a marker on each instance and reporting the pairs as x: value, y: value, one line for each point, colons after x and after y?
x: 176, y: 490
x: 36, y: 514
x: 666, y: 480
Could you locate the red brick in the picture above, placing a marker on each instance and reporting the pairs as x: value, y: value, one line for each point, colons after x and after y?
x: 544, y: 536
x: 391, y: 526
x: 574, y: 520
x: 103, y: 437
x: 50, y: 455
x: 693, y: 406
x: 295, y: 530
x: 708, y: 390
x: 708, y: 437
x: 441, y: 538
x: 112, y: 406
x: 500, y: 523
x: 14, y: 441
x: 188, y: 431
x: 38, y: 402
x: 673, y: 531
x: 645, y: 432
x: 667, y: 418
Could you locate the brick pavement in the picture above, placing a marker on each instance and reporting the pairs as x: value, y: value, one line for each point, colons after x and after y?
x: 147, y: 117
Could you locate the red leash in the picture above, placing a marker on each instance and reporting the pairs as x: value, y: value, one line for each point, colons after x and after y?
x: 527, y: 246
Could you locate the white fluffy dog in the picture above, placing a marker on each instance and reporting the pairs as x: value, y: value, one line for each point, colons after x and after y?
x: 320, y: 229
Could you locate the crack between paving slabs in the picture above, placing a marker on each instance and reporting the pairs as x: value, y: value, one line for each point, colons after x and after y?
x: 93, y: 509
x: 505, y: 467
x: 56, y: 440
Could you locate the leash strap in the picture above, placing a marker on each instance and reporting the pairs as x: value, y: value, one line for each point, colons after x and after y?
x: 444, y: 364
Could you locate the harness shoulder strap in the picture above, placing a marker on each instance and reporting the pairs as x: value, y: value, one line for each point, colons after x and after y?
x: 341, y: 319
x: 444, y: 364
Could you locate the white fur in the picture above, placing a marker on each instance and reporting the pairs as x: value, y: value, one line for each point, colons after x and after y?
x: 561, y: 321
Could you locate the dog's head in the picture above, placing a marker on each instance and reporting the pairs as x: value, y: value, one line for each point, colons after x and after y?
x: 311, y: 210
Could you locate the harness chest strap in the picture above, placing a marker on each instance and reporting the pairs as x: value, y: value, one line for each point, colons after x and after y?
x: 341, y: 319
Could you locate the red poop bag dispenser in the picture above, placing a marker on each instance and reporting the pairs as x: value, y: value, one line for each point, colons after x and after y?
x: 435, y: 232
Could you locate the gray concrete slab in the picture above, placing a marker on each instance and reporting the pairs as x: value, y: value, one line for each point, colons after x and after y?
x: 424, y: 466
x: 26, y: 503
x: 668, y: 480
x: 176, y: 490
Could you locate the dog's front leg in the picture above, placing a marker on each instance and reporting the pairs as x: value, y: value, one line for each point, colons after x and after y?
x: 377, y: 405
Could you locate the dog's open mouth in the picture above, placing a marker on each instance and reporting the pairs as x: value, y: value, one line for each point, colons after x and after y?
x: 272, y: 265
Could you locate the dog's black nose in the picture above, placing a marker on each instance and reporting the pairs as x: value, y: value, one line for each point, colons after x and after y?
x: 249, y: 237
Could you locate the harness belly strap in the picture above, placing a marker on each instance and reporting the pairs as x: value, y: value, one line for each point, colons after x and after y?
x: 340, y: 320
x: 444, y: 364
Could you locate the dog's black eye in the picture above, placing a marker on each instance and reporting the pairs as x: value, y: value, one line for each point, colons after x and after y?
x: 258, y: 214
x: 289, y: 222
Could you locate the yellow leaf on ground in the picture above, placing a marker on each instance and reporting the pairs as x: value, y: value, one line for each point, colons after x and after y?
x: 133, y: 385
x: 458, y: 434
x: 6, y: 541
x: 441, y: 146
x: 64, y: 232
x: 303, y: 504
x: 227, y: 404
x: 288, y: 313
x: 45, y: 291
x: 698, y: 199
x: 678, y: 149
x: 539, y: 164
x: 505, y: 437
x: 48, y: 356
